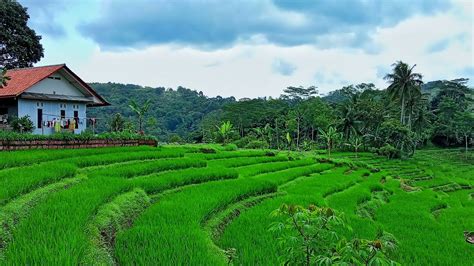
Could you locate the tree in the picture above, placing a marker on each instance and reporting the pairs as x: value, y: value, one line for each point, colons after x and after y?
x: 117, y: 124
x: 3, y: 78
x: 404, y: 83
x: 464, y: 126
x: 330, y: 136
x: 224, y: 130
x: 19, y: 44
x: 140, y: 111
x: 299, y: 93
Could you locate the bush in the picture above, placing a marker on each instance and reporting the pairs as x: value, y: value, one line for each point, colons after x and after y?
x: 207, y: 150
x: 22, y: 124
x: 389, y: 151
x: 256, y: 144
x: 85, y: 136
x: 175, y: 138
x: 242, y: 142
x: 230, y: 147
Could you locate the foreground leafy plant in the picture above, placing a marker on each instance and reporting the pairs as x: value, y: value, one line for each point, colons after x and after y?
x: 311, y: 236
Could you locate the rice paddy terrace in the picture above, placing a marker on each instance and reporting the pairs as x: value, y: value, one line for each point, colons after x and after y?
x: 188, y: 205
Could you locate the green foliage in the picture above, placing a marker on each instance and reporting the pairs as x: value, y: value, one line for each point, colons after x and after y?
x: 14, y: 136
x: 181, y: 111
x: 3, y: 77
x: 331, y: 136
x: 117, y: 123
x: 20, y: 46
x: 224, y: 130
x: 22, y: 124
x: 312, y: 236
x: 175, y: 138
x: 257, y: 144
x: 404, y: 84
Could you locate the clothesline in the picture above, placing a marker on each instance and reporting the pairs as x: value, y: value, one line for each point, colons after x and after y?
x: 65, y: 117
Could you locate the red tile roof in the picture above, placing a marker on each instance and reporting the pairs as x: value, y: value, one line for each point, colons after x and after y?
x: 22, y: 79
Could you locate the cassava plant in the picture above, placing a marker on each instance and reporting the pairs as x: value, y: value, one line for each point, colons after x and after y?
x: 311, y: 236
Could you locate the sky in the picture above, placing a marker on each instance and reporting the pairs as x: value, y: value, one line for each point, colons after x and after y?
x: 254, y: 48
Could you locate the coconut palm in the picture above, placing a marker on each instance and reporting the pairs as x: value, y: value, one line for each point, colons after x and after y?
x: 404, y: 83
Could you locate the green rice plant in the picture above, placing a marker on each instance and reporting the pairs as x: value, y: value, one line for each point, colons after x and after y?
x: 184, y: 241
x: 255, y: 169
x: 155, y: 183
x: 110, y: 219
x: 95, y: 160
x: 13, y: 212
x: 17, y: 181
x: 28, y: 157
x: 69, y: 211
x: 146, y: 167
x: 243, y: 161
x: 253, y: 242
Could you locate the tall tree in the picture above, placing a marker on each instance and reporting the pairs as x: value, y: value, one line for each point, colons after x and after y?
x: 19, y: 44
x: 404, y: 83
x: 299, y: 93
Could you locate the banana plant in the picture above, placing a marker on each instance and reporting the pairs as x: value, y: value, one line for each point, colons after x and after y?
x: 330, y: 135
x: 224, y: 130
x: 140, y: 111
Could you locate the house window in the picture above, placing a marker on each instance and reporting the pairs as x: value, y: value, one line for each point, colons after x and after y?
x: 40, y: 118
x: 63, y: 114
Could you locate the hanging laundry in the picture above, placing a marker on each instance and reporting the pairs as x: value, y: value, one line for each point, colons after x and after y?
x: 57, y: 126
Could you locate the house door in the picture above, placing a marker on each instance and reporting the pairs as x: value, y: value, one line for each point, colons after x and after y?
x: 76, y: 117
x: 40, y: 118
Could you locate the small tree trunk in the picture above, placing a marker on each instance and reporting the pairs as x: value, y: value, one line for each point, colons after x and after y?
x: 402, y: 112
x: 277, y: 135
x: 465, y: 141
x: 298, y: 136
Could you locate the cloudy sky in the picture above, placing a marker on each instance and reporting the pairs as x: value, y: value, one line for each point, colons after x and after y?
x: 252, y: 48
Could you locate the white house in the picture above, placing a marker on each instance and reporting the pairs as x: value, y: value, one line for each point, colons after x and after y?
x: 49, y: 95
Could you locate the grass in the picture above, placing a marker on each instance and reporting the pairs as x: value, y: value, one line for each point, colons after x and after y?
x: 177, y: 205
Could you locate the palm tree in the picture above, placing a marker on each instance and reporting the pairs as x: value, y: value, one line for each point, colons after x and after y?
x: 330, y: 136
x: 404, y: 84
x: 140, y: 111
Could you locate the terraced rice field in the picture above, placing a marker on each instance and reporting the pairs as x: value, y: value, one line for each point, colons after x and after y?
x: 180, y: 205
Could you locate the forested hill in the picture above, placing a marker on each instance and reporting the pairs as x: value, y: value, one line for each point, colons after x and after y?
x: 177, y: 111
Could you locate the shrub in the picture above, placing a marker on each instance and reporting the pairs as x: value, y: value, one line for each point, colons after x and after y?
x: 242, y: 142
x: 207, y: 150
x: 230, y: 147
x: 389, y: 151
x: 312, y: 236
x: 256, y: 144
x: 22, y: 124
x: 175, y: 138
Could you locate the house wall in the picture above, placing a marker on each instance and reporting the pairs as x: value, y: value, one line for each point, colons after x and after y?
x: 52, y: 110
x: 55, y: 86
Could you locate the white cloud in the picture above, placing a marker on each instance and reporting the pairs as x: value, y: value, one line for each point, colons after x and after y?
x: 245, y: 70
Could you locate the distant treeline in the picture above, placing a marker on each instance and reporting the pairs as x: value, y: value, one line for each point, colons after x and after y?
x: 355, y: 111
